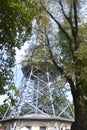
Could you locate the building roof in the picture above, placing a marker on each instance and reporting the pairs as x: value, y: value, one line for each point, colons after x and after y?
x: 38, y: 117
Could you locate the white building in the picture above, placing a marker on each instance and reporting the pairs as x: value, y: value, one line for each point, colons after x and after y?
x: 36, y: 122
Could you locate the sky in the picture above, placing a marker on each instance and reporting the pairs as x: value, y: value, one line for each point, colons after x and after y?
x: 19, y: 57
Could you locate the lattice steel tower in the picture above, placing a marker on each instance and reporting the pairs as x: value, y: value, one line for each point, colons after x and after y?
x: 38, y: 94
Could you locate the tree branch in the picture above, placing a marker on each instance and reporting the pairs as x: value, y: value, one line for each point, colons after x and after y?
x: 63, y: 30
x: 69, y: 19
x: 59, y: 25
x: 75, y: 16
x: 76, y: 24
x: 51, y: 55
x: 70, y: 81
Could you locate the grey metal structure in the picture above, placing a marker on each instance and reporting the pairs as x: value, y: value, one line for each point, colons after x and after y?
x: 38, y: 94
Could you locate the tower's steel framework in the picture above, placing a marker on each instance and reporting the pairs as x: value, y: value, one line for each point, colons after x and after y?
x: 38, y: 94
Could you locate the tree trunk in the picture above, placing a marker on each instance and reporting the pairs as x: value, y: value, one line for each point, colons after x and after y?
x: 79, y: 110
x: 79, y: 114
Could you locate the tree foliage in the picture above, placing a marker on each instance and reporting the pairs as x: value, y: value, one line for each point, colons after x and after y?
x: 15, y: 27
x: 3, y: 109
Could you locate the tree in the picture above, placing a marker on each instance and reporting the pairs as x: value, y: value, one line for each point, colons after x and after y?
x: 15, y: 22
x: 69, y: 43
x: 3, y: 109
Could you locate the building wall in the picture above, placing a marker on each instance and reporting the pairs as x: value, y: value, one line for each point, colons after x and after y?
x: 35, y: 125
x: 49, y: 125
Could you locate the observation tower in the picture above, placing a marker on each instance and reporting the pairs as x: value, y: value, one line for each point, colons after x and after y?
x: 38, y: 93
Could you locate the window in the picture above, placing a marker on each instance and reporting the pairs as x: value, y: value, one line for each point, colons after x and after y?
x: 29, y: 127
x: 4, y: 127
x: 42, y: 127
